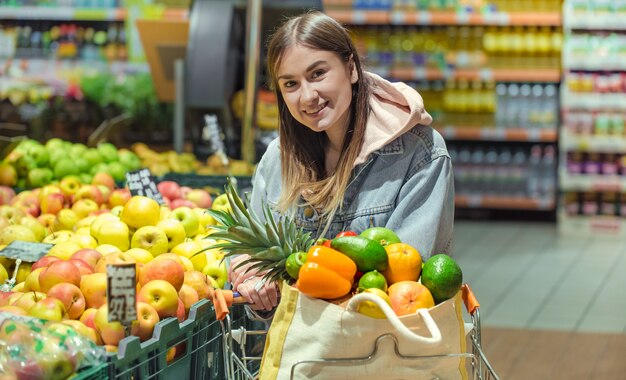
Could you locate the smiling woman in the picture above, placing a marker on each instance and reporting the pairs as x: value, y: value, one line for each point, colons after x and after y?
x: 354, y: 150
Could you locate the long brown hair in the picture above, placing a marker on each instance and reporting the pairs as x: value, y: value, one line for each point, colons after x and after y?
x: 302, y: 150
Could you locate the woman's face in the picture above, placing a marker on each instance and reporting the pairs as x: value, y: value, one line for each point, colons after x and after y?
x: 317, y: 88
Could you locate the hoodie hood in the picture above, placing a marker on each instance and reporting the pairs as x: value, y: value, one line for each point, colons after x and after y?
x: 396, y: 108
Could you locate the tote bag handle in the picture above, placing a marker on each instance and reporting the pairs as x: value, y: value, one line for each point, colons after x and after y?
x: 431, y: 326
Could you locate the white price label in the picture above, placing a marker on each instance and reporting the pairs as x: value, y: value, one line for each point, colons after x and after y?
x: 121, y: 292
x: 398, y: 18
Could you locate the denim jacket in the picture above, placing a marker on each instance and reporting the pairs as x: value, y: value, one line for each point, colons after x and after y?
x: 407, y: 186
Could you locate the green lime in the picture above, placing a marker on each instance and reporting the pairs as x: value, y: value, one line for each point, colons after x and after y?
x: 442, y: 276
x: 373, y: 279
x: 294, y: 262
x: 383, y: 235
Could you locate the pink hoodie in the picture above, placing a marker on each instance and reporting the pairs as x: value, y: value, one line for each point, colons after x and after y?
x: 396, y: 108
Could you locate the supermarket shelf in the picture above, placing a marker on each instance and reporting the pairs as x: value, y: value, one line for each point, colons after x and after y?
x: 382, y: 17
x: 593, y: 143
x: 595, y: 21
x: 78, y: 14
x: 500, y: 202
x: 498, y: 134
x: 594, y: 63
x: 593, y: 101
x: 591, y: 182
x: 500, y: 75
x: 585, y: 225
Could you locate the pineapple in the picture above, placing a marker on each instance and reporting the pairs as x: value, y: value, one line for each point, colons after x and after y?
x: 268, y: 243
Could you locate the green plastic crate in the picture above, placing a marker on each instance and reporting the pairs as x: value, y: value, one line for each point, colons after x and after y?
x: 99, y: 372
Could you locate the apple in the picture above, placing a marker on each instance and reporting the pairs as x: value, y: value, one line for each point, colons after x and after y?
x: 106, y: 192
x: 84, y: 330
x: 169, y: 189
x: 147, y: 318
x: 110, y: 332
x: 116, y: 210
x: 89, y: 192
x: 141, y: 211
x: 161, y: 295
x: 140, y: 255
x: 114, y: 232
x: 94, y: 227
x: 150, y: 238
x: 104, y: 179
x: 87, y: 317
x: 57, y: 237
x: 119, y: 197
x: 184, y: 190
x: 217, y: 270
x: 8, y: 174
x: 72, y: 298
x: 50, y: 309
x: 13, y: 214
x: 59, y: 272
x: 6, y: 195
x: 113, y: 258
x: 33, y: 224
x: 88, y: 255
x: 85, y: 222
x: 199, y: 282
x: 106, y: 249
x: 166, y: 269
x: 189, y: 296
x: 52, y: 203
x: 180, y: 311
x: 69, y: 186
x: 43, y: 262
x: 94, y: 289
x: 200, y: 197
x: 174, y: 230
x: 27, y: 300
x: 221, y: 203
x: 205, y: 218
x: 4, y: 298
x: 108, y: 152
x: 20, y: 287
x: 188, y: 218
x: 66, y: 219
x: 29, y: 205
x: 32, y: 280
x: 38, y: 177
x: 83, y: 239
x: 82, y: 266
x: 16, y: 232
x: 177, y: 203
x: 84, y: 207
x: 47, y: 221
x: 191, y: 250
x: 64, y: 250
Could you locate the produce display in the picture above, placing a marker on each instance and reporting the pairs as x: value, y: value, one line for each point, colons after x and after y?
x: 374, y: 261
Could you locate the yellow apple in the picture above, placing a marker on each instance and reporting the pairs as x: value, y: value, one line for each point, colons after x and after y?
x: 205, y: 218
x: 66, y: 219
x: 188, y: 218
x: 99, y: 221
x: 221, y: 203
x: 140, y: 255
x: 106, y: 249
x: 174, y: 230
x: 161, y: 295
x: 150, y: 238
x: 217, y: 270
x: 147, y: 318
x: 116, y: 233
x: 58, y: 237
x: 111, y: 332
x: 64, y: 250
x: 35, y: 226
x: 85, y: 222
x: 191, y: 250
x: 94, y: 289
x: 32, y: 280
x: 84, y: 241
x: 141, y: 211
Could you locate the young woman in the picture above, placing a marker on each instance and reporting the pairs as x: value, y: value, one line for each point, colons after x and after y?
x: 354, y: 150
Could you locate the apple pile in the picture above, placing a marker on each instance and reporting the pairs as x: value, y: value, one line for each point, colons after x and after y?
x: 32, y: 164
x: 96, y: 225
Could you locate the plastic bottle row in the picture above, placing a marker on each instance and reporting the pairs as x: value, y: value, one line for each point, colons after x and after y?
x: 594, y: 163
x: 597, y: 44
x: 595, y: 123
x: 596, y: 82
x: 592, y: 203
x: 460, y: 46
x: 489, y: 170
x: 598, y: 7
x: 96, y: 41
x: 449, y: 5
x: 64, y: 3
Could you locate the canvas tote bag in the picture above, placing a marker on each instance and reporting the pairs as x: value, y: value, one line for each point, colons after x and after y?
x: 306, y: 329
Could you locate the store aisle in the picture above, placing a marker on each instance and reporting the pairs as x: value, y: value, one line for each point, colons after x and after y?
x: 526, y: 275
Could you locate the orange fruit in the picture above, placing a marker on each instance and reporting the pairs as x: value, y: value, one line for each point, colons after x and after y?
x: 405, y: 263
x: 408, y: 296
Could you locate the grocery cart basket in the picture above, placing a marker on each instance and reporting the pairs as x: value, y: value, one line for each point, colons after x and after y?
x: 242, y: 339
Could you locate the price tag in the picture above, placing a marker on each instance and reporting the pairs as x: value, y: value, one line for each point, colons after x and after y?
x: 25, y: 250
x: 121, y: 289
x: 141, y: 182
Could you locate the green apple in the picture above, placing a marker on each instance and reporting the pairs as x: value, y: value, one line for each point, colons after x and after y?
x: 92, y: 156
x: 129, y: 159
x: 40, y: 154
x: 221, y: 203
x: 114, y: 232
x: 39, y: 177
x: 57, y: 155
x: 188, y: 218
x: 24, y: 165
x: 85, y: 177
x: 99, y: 168
x: 78, y: 149
x: 54, y: 143
x: 174, y: 230
x: 108, y: 152
x: 50, y: 309
x: 150, y: 238
x: 217, y: 271
x: 64, y: 167
x: 82, y: 164
x: 117, y: 170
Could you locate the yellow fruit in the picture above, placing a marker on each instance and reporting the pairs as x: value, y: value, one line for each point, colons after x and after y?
x: 405, y: 263
x: 3, y: 274
x: 370, y: 308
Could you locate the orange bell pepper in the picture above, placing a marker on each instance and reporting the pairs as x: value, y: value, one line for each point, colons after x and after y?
x: 327, y: 273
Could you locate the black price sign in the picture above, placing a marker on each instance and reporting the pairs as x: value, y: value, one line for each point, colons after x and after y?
x: 121, y: 292
x: 26, y: 250
x: 141, y: 182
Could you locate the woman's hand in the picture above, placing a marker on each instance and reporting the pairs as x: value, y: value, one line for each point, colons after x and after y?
x: 239, y: 275
x: 261, y: 294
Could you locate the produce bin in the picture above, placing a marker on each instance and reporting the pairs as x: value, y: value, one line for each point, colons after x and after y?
x: 244, y: 183
x: 99, y: 372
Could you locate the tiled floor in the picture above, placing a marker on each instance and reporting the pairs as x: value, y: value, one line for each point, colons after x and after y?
x: 525, y: 275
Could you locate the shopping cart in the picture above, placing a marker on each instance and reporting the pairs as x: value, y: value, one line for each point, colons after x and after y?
x: 242, y: 339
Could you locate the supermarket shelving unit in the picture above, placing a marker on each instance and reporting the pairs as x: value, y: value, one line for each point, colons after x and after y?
x: 394, y: 14
x: 592, y: 142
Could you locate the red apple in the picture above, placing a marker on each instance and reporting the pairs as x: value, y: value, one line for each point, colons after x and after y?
x: 59, y: 272
x: 52, y: 203
x: 89, y: 192
x: 119, y: 197
x: 44, y: 262
x: 87, y: 317
x: 189, y: 296
x: 176, y: 203
x: 94, y: 289
x: 105, y: 179
x: 6, y: 195
x: 166, y: 269
x: 72, y: 298
x: 169, y: 189
x: 88, y: 255
x: 162, y: 296
x: 111, y: 332
x: 113, y: 258
x: 199, y: 282
x: 184, y: 190
x: 85, y: 207
x: 82, y: 266
x: 180, y: 311
x: 147, y: 318
x: 200, y: 197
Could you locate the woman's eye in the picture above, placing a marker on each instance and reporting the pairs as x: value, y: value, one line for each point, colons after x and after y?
x: 318, y: 73
x: 289, y: 84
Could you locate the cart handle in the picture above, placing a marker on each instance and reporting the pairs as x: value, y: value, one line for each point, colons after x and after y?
x: 471, y: 303
x: 223, y: 300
